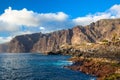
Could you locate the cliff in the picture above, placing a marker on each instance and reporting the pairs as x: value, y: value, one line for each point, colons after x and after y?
x: 23, y: 43
x: 38, y: 42
x: 95, y: 47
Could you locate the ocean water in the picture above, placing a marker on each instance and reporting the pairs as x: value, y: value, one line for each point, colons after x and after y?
x: 28, y: 66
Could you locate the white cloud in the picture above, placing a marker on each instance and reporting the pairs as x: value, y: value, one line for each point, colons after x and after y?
x: 42, y: 28
x: 12, y: 20
x: 113, y: 12
x: 4, y: 26
x: 18, y: 22
x: 19, y: 17
x: 5, y: 39
x: 21, y: 33
x: 59, y: 16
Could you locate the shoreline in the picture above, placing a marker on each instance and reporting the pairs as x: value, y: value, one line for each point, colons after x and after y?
x: 102, y: 70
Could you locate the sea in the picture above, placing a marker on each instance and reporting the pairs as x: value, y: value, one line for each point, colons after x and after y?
x: 36, y: 66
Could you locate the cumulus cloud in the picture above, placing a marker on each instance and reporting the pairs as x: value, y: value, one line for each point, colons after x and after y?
x: 5, y: 39
x: 41, y: 28
x: 59, y: 16
x: 14, y: 19
x: 19, y: 17
x: 4, y: 26
x: 113, y: 12
x: 17, y: 22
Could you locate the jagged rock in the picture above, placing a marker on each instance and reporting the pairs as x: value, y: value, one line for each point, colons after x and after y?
x: 99, y: 69
x: 52, y: 41
x: 38, y: 42
x: 23, y: 43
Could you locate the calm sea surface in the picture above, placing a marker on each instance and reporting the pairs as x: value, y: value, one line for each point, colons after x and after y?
x: 27, y: 66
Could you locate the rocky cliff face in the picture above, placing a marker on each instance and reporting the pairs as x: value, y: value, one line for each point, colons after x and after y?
x: 102, y: 29
x: 23, y: 43
x: 53, y: 41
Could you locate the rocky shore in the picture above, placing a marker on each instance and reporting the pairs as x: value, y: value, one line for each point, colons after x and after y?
x: 95, y: 47
x: 100, y: 60
x: 102, y: 68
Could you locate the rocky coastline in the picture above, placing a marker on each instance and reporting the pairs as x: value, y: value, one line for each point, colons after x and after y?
x: 95, y: 47
x: 94, y: 66
x: 103, y: 65
x: 102, y: 30
x: 100, y: 60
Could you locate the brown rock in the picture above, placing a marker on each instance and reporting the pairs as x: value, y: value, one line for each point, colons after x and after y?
x: 102, y: 29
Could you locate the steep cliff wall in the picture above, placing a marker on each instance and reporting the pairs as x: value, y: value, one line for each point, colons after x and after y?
x: 23, y: 43
x: 100, y: 30
x: 53, y: 41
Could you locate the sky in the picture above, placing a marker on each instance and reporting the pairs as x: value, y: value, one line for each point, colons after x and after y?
x: 18, y: 17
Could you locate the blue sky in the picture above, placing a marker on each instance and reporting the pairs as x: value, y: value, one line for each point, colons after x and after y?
x: 29, y: 16
x: 74, y: 8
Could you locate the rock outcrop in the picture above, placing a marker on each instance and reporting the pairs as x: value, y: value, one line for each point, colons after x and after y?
x: 53, y: 41
x: 23, y: 43
x: 104, y: 70
x: 38, y: 42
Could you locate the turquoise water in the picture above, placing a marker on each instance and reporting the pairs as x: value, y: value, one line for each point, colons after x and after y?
x: 27, y: 66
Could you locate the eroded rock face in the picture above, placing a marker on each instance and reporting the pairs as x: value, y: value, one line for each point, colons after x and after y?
x: 53, y: 41
x: 103, y: 29
x: 79, y: 35
x: 23, y: 43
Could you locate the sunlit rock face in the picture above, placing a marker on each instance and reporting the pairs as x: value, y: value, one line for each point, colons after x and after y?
x: 53, y: 41
x: 102, y: 29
